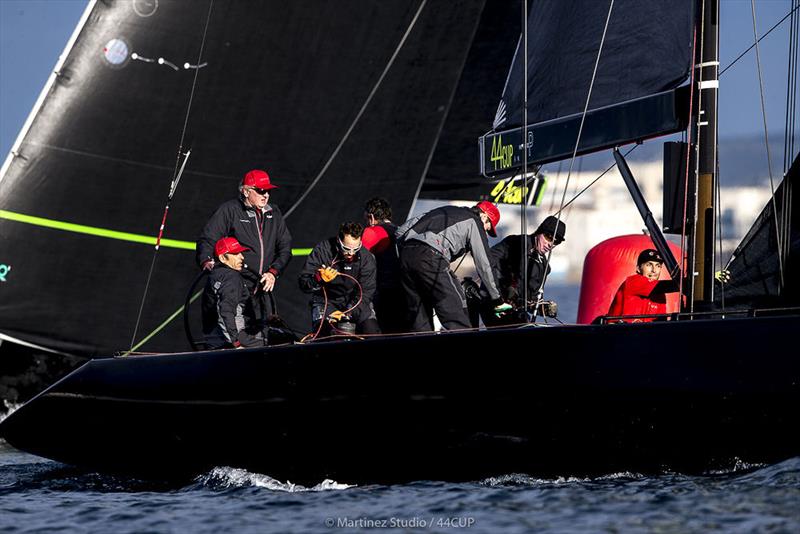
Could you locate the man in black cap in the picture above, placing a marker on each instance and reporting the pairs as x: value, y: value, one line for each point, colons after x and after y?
x: 508, y: 264
x: 643, y: 293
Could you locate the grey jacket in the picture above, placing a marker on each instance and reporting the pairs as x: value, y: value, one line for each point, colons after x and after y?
x: 453, y: 231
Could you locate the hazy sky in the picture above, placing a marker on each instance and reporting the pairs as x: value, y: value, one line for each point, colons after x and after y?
x: 33, y: 34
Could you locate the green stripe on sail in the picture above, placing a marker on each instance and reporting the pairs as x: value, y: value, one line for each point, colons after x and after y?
x: 110, y: 234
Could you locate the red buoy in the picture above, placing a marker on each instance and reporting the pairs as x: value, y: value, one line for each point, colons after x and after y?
x: 606, y: 266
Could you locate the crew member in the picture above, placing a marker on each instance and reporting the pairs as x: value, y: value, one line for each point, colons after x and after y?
x: 259, y: 227
x: 642, y: 293
x: 379, y: 238
x: 430, y: 243
x: 340, y: 275
x: 508, y: 263
x: 227, y: 303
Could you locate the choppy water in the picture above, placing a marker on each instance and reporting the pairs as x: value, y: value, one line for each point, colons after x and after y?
x: 43, y: 496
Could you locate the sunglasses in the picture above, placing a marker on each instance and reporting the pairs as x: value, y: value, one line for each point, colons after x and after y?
x: 349, y: 250
x: 262, y: 192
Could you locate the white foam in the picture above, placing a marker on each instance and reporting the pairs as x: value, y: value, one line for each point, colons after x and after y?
x: 527, y: 480
x: 232, y: 477
x: 10, y: 408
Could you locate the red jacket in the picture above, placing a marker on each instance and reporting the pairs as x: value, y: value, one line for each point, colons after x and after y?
x: 639, y: 295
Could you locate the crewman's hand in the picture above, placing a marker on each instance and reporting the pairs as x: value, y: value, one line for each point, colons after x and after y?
x: 327, y: 273
x: 501, y: 309
x: 267, y: 281
x: 336, y: 316
x: 723, y: 276
x: 207, y: 265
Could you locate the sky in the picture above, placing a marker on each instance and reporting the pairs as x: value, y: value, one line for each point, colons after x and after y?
x: 33, y: 34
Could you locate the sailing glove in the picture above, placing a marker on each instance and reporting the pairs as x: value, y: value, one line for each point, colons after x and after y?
x: 723, y: 276
x: 501, y: 309
x: 326, y: 274
x: 336, y: 316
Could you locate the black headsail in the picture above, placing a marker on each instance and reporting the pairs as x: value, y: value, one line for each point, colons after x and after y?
x: 755, y: 266
x: 646, y: 56
x: 339, y: 100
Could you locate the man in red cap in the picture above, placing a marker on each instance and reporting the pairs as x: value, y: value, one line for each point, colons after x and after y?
x: 430, y: 243
x: 258, y: 226
x: 227, y: 304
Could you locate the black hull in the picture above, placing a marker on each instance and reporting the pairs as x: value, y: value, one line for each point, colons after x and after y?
x: 582, y: 400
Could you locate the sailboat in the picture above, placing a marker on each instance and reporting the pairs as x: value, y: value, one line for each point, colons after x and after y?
x: 711, y: 388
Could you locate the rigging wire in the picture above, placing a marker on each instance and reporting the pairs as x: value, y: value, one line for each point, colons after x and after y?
x: 766, y: 142
x: 350, y: 129
x: 582, y: 191
x: 523, y: 205
x: 177, y: 172
x: 693, y: 237
x: 577, y: 141
x: 789, y: 132
x: 555, y: 181
x: 577, y: 185
x: 740, y: 56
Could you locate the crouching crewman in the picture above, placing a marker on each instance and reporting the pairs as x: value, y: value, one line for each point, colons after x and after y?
x: 228, y: 319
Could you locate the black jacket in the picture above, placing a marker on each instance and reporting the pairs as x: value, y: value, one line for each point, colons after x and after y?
x: 507, y: 264
x: 342, y: 291
x: 265, y: 234
x: 388, y: 262
x: 227, y: 307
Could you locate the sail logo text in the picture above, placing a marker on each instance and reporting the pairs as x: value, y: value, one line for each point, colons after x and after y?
x: 501, y: 154
x: 4, y: 270
x: 506, y: 192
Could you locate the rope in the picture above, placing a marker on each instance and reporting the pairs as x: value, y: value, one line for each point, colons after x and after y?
x: 312, y: 337
x: 176, y: 175
x: 766, y: 142
x: 577, y: 142
x: 316, y: 180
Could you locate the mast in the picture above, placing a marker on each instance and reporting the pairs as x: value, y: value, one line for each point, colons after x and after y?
x: 702, y: 220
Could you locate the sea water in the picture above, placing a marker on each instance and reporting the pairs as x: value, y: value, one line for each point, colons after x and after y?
x: 38, y: 495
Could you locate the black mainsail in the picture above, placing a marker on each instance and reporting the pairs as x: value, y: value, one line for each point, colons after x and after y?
x: 339, y: 100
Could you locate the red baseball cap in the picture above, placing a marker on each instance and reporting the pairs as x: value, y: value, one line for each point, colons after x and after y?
x: 492, y: 212
x: 228, y: 245
x: 258, y: 178
x: 375, y: 238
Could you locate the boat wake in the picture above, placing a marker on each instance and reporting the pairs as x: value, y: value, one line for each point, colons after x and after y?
x: 739, y: 471
x: 231, y: 477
